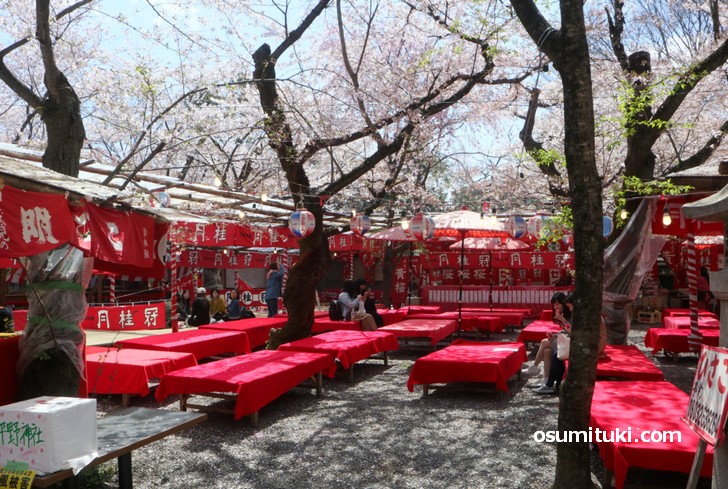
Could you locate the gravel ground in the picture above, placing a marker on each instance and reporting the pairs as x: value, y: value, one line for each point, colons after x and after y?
x: 374, y: 433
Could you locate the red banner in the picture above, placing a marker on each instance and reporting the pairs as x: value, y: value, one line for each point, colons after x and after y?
x: 120, y: 236
x: 230, y: 260
x: 158, y: 263
x: 499, y: 259
x: 226, y: 234
x: 679, y: 224
x: 33, y: 222
x: 113, y: 318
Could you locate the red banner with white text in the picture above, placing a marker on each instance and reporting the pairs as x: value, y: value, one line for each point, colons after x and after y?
x: 113, y: 318
x: 33, y: 222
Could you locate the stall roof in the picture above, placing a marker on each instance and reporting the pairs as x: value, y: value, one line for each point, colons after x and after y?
x: 704, y: 178
x: 191, y: 202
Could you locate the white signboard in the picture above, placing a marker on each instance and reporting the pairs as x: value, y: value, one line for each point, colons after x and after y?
x: 707, y: 411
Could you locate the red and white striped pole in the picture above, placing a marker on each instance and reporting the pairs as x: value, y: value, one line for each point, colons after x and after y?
x: 173, y: 289
x: 112, y: 288
x: 695, y: 338
x: 284, y: 281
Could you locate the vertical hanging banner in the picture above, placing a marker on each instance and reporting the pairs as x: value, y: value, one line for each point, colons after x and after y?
x: 33, y: 222
x: 121, y: 236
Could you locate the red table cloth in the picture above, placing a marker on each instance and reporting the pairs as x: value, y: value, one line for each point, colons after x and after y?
x: 321, y: 325
x: 468, y: 361
x: 468, y: 322
x: 628, y: 362
x: 9, y: 354
x: 676, y: 340
x: 683, y: 322
x: 201, y: 343
x: 422, y: 309
x: 672, y: 311
x: 434, y: 329
x: 537, y: 330
x: 514, y: 316
x: 391, y: 316
x: 348, y: 347
x: 128, y: 371
x: 257, y: 329
x: 256, y: 379
x: 644, y: 406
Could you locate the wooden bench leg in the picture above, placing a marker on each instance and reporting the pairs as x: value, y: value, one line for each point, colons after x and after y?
x: 318, y: 380
x: 124, y: 400
x: 425, y: 390
x: 183, y: 402
x: 351, y: 372
x: 386, y: 358
x: 255, y: 418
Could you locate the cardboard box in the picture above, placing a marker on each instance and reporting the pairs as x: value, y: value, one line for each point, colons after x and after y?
x: 49, y: 433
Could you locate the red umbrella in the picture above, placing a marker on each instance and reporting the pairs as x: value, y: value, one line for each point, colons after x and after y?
x: 467, y: 224
x: 398, y: 234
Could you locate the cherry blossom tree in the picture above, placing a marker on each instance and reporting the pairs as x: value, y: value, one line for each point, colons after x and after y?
x: 567, y: 48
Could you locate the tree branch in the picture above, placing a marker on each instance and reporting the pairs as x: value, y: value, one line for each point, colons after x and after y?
x: 547, y: 39
x: 687, y: 82
x: 616, y: 28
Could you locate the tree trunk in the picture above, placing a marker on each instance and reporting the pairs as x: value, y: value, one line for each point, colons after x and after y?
x: 572, y: 462
x: 569, y: 52
x: 300, y: 294
x: 66, y: 134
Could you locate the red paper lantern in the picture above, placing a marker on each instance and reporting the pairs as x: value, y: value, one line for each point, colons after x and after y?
x: 422, y: 226
x: 360, y: 224
x: 301, y: 223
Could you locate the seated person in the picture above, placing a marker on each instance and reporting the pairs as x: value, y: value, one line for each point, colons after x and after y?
x: 352, y: 307
x: 218, y: 308
x: 200, y: 309
x: 370, y: 305
x: 561, y: 308
x: 183, y: 306
x: 6, y: 320
x: 234, y: 309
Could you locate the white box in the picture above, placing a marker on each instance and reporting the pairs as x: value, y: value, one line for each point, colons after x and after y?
x: 49, y: 433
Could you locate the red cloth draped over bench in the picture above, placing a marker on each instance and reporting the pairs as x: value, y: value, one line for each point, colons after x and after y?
x: 201, y: 343
x: 644, y: 406
x: 348, y: 347
x: 537, y: 330
x: 628, y: 362
x: 434, y: 329
x: 128, y: 371
x: 9, y: 353
x: 683, y: 322
x: 321, y: 325
x: 467, y: 361
x: 673, y: 311
x: 676, y: 340
x: 257, y: 329
x: 469, y: 321
x: 256, y: 379
x: 391, y: 316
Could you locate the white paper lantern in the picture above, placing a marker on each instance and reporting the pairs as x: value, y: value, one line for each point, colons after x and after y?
x: 516, y: 226
x: 536, y: 224
x: 360, y: 224
x: 301, y: 223
x: 422, y: 227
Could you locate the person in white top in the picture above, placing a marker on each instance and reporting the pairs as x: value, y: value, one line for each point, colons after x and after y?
x: 352, y: 307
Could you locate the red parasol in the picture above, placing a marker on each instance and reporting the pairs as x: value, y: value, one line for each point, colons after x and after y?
x: 499, y: 244
x: 464, y: 224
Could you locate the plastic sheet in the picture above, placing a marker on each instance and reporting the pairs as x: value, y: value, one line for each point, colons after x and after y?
x: 57, y: 280
x: 626, y: 262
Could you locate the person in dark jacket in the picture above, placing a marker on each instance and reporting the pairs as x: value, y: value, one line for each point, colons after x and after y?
x: 200, y: 309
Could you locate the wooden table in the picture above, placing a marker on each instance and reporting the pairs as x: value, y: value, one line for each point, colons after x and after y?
x: 121, y: 433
